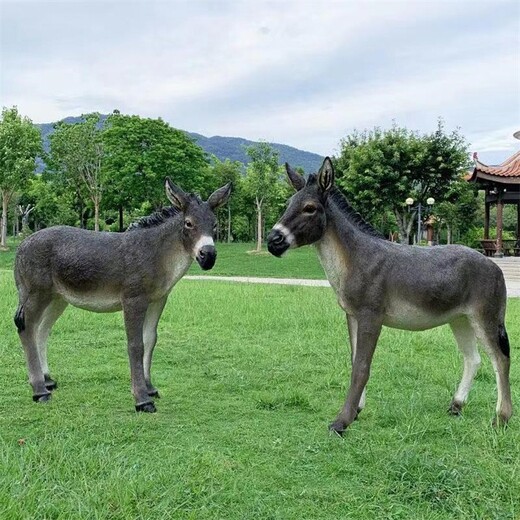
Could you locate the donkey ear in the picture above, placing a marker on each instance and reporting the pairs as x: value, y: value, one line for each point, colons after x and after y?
x: 296, y: 180
x: 326, y: 176
x: 220, y: 197
x: 176, y: 195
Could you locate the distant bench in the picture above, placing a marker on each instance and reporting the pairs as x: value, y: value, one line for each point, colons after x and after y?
x: 509, y: 247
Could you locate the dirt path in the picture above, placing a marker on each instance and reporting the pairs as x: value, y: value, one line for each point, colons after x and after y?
x: 513, y: 286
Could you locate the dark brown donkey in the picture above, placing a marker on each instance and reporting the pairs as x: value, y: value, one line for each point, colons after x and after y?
x: 406, y: 287
x: 107, y: 272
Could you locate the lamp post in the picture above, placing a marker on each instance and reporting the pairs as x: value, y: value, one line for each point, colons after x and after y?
x: 430, y: 201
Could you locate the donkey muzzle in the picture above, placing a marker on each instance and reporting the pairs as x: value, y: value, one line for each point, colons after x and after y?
x: 206, y: 257
x: 277, y: 242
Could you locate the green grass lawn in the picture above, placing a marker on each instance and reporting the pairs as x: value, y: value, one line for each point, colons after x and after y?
x: 239, y: 260
x: 250, y: 377
x: 7, y: 257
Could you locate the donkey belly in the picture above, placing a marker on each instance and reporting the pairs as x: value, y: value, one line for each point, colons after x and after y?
x: 100, y: 300
x: 407, y: 316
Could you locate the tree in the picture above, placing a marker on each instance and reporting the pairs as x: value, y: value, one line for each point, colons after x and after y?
x: 140, y: 153
x: 222, y: 172
x: 20, y: 143
x: 459, y: 207
x: 262, y: 176
x: 380, y: 169
x: 52, y: 204
x: 76, y: 153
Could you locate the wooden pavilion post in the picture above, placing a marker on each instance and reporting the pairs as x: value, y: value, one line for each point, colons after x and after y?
x: 486, y: 219
x: 500, y: 224
x: 518, y: 224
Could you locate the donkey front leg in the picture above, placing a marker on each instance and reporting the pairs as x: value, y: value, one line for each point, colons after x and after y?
x: 352, y: 335
x: 134, y: 311
x: 368, y: 330
x: 153, y: 314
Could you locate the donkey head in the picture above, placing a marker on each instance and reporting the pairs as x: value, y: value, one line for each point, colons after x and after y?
x: 305, y: 219
x: 199, y: 221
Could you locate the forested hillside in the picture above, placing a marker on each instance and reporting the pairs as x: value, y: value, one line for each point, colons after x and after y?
x: 232, y: 148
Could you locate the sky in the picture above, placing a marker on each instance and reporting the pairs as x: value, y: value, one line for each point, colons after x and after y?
x: 300, y: 73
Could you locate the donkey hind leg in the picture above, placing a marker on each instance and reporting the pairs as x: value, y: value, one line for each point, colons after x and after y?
x: 53, y: 311
x: 153, y: 314
x: 494, y: 339
x: 352, y: 334
x: 467, y: 343
x: 134, y: 311
x: 367, y: 334
x: 33, y: 310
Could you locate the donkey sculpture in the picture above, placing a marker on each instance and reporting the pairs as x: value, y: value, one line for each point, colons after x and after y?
x: 107, y: 272
x: 378, y: 283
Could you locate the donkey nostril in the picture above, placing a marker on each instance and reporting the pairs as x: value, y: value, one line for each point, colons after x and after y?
x: 278, y: 239
x: 202, y: 254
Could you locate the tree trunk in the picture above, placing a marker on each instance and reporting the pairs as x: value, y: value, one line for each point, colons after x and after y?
x: 404, y: 226
x: 121, y: 224
x: 80, y: 212
x: 3, y: 232
x: 258, y: 225
x: 449, y: 234
x: 96, y: 214
x: 229, y: 224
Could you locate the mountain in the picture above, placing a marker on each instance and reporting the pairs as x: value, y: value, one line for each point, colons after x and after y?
x: 233, y: 148
x: 224, y: 148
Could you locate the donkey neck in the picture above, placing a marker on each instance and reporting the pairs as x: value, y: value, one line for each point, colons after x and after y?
x: 171, y: 260
x: 337, y: 246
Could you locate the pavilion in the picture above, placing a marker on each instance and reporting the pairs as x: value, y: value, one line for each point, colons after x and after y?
x: 502, y: 186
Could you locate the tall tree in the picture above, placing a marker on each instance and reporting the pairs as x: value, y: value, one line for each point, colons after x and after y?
x: 76, y: 153
x: 458, y: 209
x: 140, y: 153
x: 222, y: 172
x: 262, y: 176
x: 380, y: 169
x: 20, y: 143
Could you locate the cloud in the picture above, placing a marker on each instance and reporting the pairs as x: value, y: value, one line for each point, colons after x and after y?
x: 302, y: 73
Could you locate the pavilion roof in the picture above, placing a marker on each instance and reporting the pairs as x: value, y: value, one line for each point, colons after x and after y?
x: 506, y: 173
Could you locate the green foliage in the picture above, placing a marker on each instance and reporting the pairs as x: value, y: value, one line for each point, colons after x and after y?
x: 262, y: 185
x: 262, y: 172
x: 52, y: 205
x: 219, y: 174
x: 141, y: 153
x: 380, y: 169
x: 20, y: 144
x: 75, y: 158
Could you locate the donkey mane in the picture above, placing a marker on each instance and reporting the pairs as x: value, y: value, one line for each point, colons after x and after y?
x: 161, y: 216
x: 348, y: 211
x: 155, y: 219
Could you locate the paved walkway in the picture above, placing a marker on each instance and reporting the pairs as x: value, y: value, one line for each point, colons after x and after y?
x: 513, y: 286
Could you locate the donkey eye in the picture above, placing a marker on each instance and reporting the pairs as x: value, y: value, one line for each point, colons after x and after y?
x: 188, y: 223
x: 309, y: 209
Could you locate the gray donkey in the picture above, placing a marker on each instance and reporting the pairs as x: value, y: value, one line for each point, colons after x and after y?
x: 107, y: 272
x: 378, y: 283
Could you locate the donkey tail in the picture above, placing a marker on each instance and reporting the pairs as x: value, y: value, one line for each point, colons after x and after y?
x: 503, y: 340
x: 19, y: 318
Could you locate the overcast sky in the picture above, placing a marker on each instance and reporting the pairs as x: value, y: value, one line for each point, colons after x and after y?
x: 293, y: 72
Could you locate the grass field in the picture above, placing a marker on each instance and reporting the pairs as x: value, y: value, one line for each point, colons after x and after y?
x: 250, y: 376
x: 238, y: 260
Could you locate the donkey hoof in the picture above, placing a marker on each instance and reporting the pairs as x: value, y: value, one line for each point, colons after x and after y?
x: 337, y: 427
x: 50, y: 384
x: 146, y: 407
x: 154, y: 393
x: 455, y: 408
x: 500, y: 421
x: 42, y: 398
